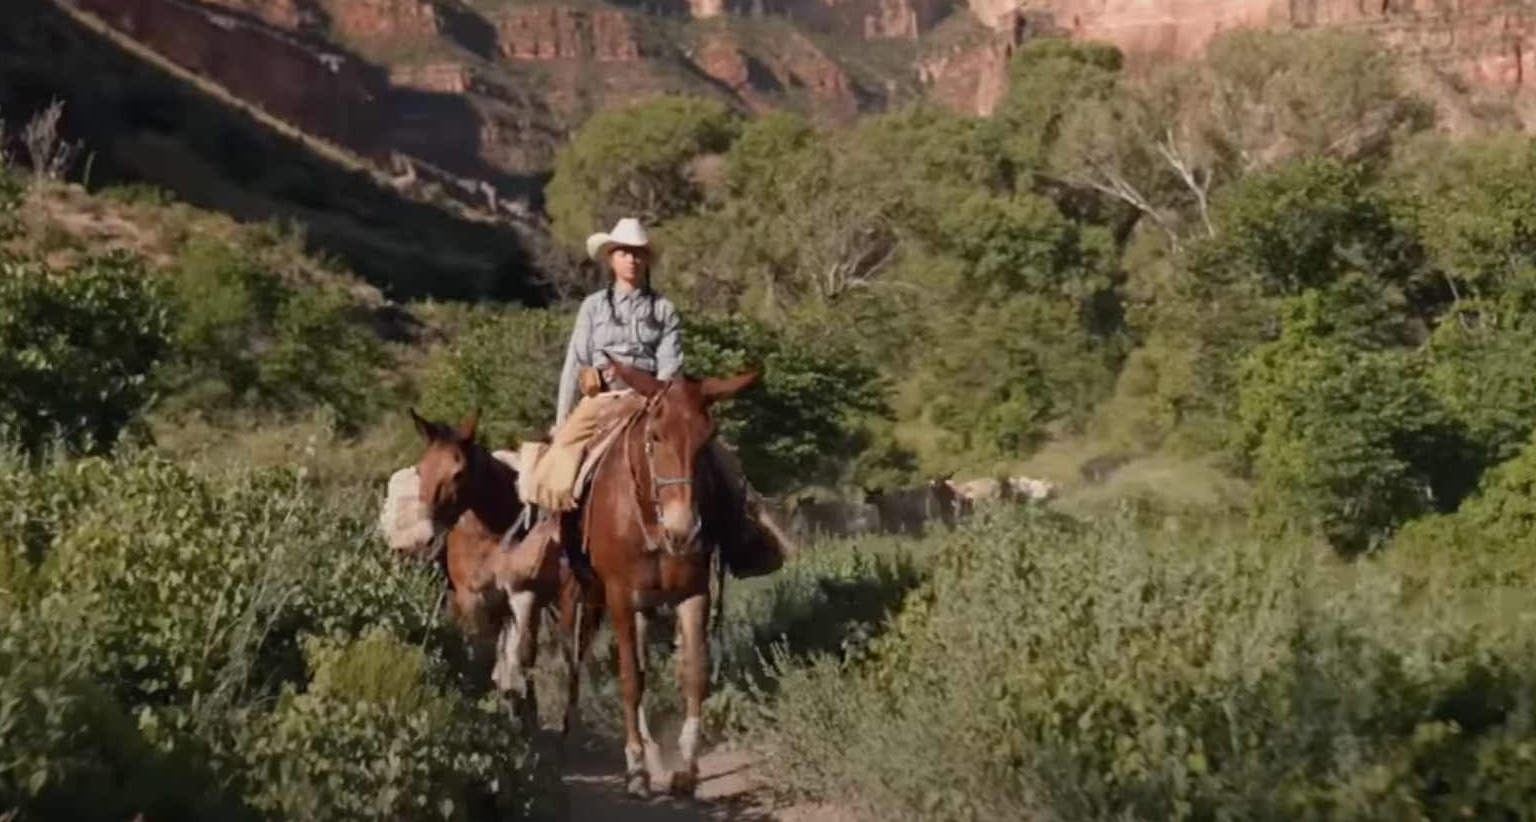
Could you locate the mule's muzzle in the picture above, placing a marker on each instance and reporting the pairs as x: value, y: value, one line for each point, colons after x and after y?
x: 680, y: 522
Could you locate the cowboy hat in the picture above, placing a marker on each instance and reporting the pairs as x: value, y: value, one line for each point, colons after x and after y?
x: 626, y: 233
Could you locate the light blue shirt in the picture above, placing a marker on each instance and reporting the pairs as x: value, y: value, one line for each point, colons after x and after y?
x: 639, y: 331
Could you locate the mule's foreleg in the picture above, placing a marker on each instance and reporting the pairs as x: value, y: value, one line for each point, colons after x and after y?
x: 468, y: 609
x: 622, y: 614
x: 653, y: 764
x: 692, y: 619
x: 579, y: 618
x: 517, y: 654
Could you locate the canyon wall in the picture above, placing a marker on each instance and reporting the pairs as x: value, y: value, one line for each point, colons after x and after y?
x: 1488, y: 42
x: 326, y: 92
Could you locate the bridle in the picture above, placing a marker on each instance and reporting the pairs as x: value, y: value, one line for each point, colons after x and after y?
x: 660, y: 481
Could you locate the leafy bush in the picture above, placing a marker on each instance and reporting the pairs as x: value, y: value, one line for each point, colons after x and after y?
x: 634, y: 162
x: 797, y: 423
x: 253, y: 334
x: 1488, y: 538
x: 77, y: 348
x: 1105, y: 671
x: 505, y: 363
x: 1339, y: 433
x: 164, y: 606
x: 378, y: 733
x: 1480, y: 360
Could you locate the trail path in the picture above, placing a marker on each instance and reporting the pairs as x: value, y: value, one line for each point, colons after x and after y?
x: 730, y: 790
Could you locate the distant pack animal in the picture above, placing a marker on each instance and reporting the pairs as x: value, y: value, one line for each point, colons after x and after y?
x: 1030, y: 488
x: 1099, y: 468
x: 981, y: 490
x: 908, y: 510
x: 833, y: 518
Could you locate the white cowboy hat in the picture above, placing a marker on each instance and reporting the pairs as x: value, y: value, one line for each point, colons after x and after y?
x: 626, y: 232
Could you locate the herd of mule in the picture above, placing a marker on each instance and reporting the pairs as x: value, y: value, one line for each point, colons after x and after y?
x: 639, y: 539
x: 909, y: 510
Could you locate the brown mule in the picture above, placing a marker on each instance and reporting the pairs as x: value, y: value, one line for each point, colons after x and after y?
x: 498, y: 583
x: 647, y: 546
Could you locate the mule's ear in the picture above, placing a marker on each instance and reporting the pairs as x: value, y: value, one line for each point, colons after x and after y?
x: 716, y: 389
x: 423, y: 427
x: 466, y: 429
x: 643, y: 383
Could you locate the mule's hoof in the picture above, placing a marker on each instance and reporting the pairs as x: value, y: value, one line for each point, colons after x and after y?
x: 685, y: 783
x: 638, y: 785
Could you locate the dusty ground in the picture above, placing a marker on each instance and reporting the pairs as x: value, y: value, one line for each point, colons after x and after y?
x: 729, y: 791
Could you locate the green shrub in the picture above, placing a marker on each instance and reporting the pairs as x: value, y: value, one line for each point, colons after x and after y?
x: 72, y: 750
x: 505, y: 363
x: 798, y: 423
x: 254, y: 335
x: 1487, y: 540
x: 377, y: 734
x: 1104, y: 671
x: 150, y: 611
x: 1480, y: 361
x: 77, y: 348
x: 1341, y: 434
x: 197, y: 582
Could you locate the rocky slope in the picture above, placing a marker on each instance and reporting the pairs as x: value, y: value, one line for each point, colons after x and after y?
x: 1485, y: 43
x: 487, y: 88
x: 425, y: 231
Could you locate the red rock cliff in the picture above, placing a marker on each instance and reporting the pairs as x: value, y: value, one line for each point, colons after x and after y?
x: 567, y: 33
x: 866, y: 19
x: 793, y: 65
x: 385, y: 19
x: 1487, y: 41
x: 323, y: 92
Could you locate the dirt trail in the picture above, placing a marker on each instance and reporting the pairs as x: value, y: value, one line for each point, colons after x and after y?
x: 730, y: 790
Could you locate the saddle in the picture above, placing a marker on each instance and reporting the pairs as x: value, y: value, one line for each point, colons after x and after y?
x: 558, y: 473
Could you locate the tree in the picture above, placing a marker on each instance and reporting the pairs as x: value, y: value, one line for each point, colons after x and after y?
x: 1280, y: 95
x: 635, y: 162
x: 798, y: 424
x: 505, y: 363
x: 804, y: 221
x: 1474, y: 206
x: 1049, y: 78
x: 1480, y: 359
x: 77, y: 348
x: 1161, y: 145
x: 1341, y: 433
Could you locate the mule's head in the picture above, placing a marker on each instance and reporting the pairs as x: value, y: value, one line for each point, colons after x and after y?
x: 446, y: 467
x: 677, y: 429
x: 947, y: 496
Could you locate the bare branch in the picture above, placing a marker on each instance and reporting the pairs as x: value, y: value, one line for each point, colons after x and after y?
x: 1168, y: 149
x: 51, y: 155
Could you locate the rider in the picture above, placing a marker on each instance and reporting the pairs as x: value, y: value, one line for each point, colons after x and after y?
x: 629, y: 322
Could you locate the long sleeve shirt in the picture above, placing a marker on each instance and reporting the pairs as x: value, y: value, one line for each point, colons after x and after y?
x: 637, y: 330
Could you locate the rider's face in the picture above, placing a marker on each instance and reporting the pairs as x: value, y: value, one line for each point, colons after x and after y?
x: 628, y: 265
